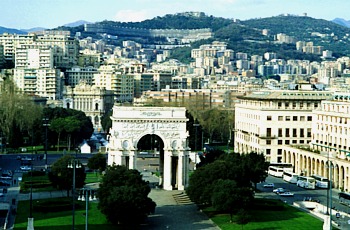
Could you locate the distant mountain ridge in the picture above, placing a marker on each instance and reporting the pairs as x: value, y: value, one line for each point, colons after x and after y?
x: 77, y: 23
x: 342, y: 22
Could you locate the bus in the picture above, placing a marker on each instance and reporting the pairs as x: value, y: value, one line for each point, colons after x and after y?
x: 344, y: 198
x: 321, y: 182
x: 275, y: 171
x: 290, y: 177
x: 306, y: 182
x: 286, y: 166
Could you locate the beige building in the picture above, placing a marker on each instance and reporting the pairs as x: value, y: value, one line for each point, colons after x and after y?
x: 266, y: 121
x: 45, y: 83
x: 93, y: 101
x: 111, y: 78
x: 75, y: 75
x: 329, y: 143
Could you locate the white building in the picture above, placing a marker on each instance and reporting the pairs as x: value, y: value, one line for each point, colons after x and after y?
x: 45, y: 83
x: 93, y: 101
x: 265, y: 121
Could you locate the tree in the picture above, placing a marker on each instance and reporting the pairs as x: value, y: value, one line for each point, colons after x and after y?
x: 123, y: 196
x: 18, y: 113
x: 228, y: 197
x: 57, y: 125
x: 71, y: 125
x: 97, y: 162
x: 256, y: 167
x: 61, y: 176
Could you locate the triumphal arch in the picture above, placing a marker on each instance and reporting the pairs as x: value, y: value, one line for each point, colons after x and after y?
x: 130, y: 124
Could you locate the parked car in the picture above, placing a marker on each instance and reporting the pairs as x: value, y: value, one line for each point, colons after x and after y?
x: 278, y: 190
x: 269, y: 185
x: 25, y: 168
x: 286, y: 194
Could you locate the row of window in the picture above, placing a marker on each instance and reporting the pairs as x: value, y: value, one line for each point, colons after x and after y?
x: 291, y: 118
x: 288, y: 142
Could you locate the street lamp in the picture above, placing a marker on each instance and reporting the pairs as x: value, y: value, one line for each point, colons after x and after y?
x: 46, y: 124
x: 74, y: 164
x: 30, y: 218
x: 89, y: 196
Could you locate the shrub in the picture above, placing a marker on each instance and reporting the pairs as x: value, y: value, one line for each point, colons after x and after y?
x: 54, y: 205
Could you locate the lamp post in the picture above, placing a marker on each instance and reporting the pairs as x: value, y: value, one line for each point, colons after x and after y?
x: 30, y: 225
x: 89, y: 196
x: 74, y: 164
x: 46, y: 124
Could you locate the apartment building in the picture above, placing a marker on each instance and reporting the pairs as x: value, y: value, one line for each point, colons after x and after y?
x: 34, y: 58
x: 2, y: 56
x: 265, y: 121
x: 65, y: 48
x: 93, y: 101
x: 47, y: 83
x: 75, y: 75
x: 328, y: 152
x: 112, y: 78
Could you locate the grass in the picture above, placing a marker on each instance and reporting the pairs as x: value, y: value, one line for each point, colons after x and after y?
x: 93, y: 177
x: 62, y: 220
x: 289, y: 218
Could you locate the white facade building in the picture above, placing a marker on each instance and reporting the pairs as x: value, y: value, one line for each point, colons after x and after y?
x: 265, y: 121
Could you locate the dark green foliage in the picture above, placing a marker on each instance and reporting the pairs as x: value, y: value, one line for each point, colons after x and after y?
x: 123, y: 196
x: 54, y: 205
x: 97, y: 162
x: 78, y: 133
x: 106, y: 121
x: 61, y: 175
x: 242, y: 170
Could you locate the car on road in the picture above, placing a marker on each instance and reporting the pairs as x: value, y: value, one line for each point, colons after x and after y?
x: 279, y: 190
x: 25, y: 168
x: 269, y: 185
x: 286, y: 194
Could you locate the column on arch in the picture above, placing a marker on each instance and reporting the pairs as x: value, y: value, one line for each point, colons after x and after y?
x: 132, y: 159
x: 167, y: 170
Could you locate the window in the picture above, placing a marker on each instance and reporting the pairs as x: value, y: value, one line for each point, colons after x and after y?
x: 268, y: 142
x: 287, y: 118
x: 279, y: 104
x: 279, y: 159
x: 269, y: 118
x: 301, y: 141
x: 295, y: 118
x: 280, y: 142
x: 287, y: 104
x: 268, y: 132
x: 294, y: 141
x: 286, y: 142
x: 280, y: 118
x: 287, y: 132
x: 301, y: 133
x: 294, y: 132
x: 294, y: 105
x: 309, y: 118
x: 302, y: 118
x: 279, y: 151
x: 268, y: 151
x: 280, y: 132
x: 309, y: 132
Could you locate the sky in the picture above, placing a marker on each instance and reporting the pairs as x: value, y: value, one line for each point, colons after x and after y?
x: 26, y: 14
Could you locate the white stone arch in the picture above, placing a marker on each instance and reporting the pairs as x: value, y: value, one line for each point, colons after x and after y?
x: 130, y: 124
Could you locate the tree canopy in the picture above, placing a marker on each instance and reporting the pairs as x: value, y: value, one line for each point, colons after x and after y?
x: 61, y: 175
x: 123, y: 196
x: 18, y: 114
x: 241, y: 170
x: 97, y: 162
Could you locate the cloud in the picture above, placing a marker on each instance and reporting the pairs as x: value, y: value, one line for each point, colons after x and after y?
x: 132, y: 15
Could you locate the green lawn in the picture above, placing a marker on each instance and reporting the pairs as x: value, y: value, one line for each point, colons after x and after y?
x: 62, y: 220
x: 92, y: 177
x: 289, y: 218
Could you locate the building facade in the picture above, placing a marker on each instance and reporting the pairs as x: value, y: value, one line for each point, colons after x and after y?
x: 265, y: 121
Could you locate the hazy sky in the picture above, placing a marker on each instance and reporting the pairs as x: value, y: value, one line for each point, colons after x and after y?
x: 25, y: 14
